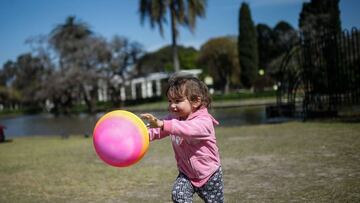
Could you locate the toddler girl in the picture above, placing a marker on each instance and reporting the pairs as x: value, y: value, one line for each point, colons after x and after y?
x: 192, y: 133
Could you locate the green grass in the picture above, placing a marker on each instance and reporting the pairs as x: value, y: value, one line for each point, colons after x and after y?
x: 292, y: 162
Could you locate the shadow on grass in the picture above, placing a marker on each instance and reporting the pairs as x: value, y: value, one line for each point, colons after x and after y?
x: 6, y: 141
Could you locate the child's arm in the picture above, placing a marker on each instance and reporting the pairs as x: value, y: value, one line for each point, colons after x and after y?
x: 153, y: 121
x: 198, y: 128
x: 155, y: 126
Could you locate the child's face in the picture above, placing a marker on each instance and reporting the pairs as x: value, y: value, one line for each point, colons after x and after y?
x: 180, y: 107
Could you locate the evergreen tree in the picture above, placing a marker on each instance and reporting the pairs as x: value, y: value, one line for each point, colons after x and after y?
x: 285, y: 36
x: 247, y: 46
x: 319, y: 16
x: 320, y: 25
x: 266, y: 45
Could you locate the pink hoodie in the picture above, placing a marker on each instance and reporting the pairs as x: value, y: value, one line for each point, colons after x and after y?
x: 194, y: 144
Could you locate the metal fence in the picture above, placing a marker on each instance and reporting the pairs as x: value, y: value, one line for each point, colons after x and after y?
x: 331, y: 72
x: 319, y: 76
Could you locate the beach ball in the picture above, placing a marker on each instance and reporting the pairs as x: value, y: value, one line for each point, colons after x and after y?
x: 120, y: 138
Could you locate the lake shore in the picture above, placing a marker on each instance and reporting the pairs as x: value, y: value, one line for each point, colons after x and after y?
x: 229, y: 112
x: 162, y: 105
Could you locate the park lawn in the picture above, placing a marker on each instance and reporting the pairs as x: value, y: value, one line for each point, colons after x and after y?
x: 290, y: 162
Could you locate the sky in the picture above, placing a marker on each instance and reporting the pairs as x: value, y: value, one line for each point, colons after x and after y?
x: 24, y: 19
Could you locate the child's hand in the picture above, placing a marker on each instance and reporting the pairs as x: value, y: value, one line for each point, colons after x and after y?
x: 153, y: 121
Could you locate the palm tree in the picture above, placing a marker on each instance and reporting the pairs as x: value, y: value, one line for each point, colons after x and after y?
x: 181, y: 13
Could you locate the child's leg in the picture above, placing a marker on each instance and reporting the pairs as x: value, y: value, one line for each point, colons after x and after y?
x: 213, y: 190
x: 182, y: 191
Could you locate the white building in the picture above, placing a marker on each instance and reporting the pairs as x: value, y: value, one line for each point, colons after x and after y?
x: 144, y: 87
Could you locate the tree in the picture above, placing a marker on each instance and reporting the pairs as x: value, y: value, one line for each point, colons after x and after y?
x: 68, y: 38
x: 181, y: 13
x: 266, y: 45
x: 319, y: 16
x: 80, y: 55
x: 248, y: 48
x: 7, y: 73
x: 219, y: 56
x: 320, y: 27
x: 160, y: 60
x: 285, y: 36
x: 124, y: 55
x: 9, y: 96
x: 273, y: 43
x: 275, y: 47
x: 29, y: 73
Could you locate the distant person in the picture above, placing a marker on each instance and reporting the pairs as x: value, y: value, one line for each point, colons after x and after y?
x: 2, y: 133
x: 192, y: 133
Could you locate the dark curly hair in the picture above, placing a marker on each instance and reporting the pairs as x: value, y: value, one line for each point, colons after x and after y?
x: 185, y: 85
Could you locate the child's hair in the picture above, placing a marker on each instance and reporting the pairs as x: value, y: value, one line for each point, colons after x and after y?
x: 186, y: 85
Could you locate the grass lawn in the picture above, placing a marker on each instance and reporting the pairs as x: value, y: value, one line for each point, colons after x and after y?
x: 290, y: 162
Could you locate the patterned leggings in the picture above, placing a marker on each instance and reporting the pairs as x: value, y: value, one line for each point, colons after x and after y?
x: 211, y: 192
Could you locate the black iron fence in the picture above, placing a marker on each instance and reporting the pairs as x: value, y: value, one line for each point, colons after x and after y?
x: 319, y: 76
x: 331, y: 72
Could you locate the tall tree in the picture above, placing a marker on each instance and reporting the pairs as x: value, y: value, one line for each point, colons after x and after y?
x: 319, y: 16
x: 266, y: 45
x: 247, y: 45
x: 68, y: 38
x: 79, y: 58
x: 320, y: 26
x: 182, y: 12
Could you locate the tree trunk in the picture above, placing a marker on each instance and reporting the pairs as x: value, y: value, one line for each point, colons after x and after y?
x: 174, y: 37
x: 90, y: 97
x: 227, y: 85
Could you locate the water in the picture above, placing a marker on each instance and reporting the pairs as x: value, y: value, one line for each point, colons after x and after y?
x: 47, y: 124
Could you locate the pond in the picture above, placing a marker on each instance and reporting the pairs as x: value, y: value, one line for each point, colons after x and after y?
x: 47, y: 124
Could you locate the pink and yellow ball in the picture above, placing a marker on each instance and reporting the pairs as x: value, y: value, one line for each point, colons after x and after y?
x: 120, y: 138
